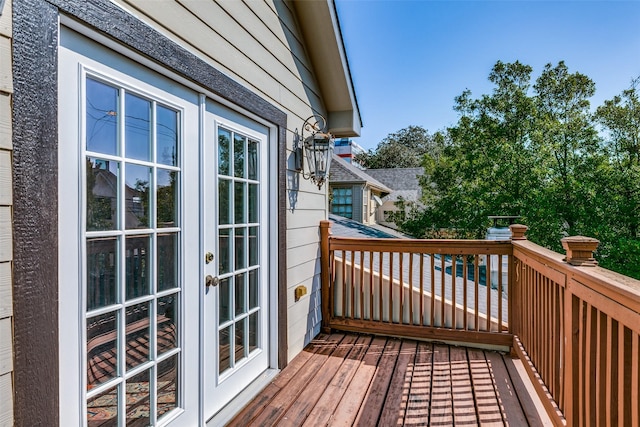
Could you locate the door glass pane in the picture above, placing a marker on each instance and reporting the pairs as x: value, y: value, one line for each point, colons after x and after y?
x: 239, y: 204
x: 224, y: 301
x: 167, y: 385
x: 138, y: 399
x: 102, y: 348
x: 224, y: 251
x: 102, y: 194
x: 252, y: 160
x: 240, y: 344
x: 224, y: 200
x: 224, y: 152
x: 253, y: 203
x: 137, y: 127
x: 224, y: 349
x: 253, y: 289
x: 239, y: 294
x: 167, y: 134
x: 253, y: 331
x: 166, y: 198
x: 167, y: 261
x: 102, y: 117
x: 102, y: 410
x: 240, y: 244
x: 238, y: 155
x: 137, y: 196
x: 167, y: 312
x: 137, y: 335
x: 102, y: 253
x: 137, y: 266
x: 253, y: 246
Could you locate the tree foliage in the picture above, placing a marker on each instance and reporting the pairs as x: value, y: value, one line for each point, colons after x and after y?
x: 403, y: 149
x: 534, y: 149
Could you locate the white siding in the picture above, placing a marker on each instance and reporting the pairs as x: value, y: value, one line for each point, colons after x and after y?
x: 258, y: 44
x: 6, y: 245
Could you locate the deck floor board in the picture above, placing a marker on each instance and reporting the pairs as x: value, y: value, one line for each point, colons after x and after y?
x: 359, y: 380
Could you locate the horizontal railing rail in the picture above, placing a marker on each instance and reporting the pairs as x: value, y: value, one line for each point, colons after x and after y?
x: 450, y: 290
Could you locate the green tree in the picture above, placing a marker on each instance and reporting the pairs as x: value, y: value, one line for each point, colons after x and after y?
x: 486, y: 167
x: 566, y: 144
x: 403, y: 149
x: 620, y: 182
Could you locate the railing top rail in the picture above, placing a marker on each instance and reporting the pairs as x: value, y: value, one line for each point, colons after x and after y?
x: 623, y: 289
x: 423, y: 246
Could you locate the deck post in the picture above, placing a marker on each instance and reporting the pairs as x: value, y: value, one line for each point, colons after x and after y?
x: 517, y: 233
x: 325, y: 231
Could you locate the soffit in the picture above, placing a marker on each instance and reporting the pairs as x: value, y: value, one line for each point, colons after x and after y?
x: 321, y: 31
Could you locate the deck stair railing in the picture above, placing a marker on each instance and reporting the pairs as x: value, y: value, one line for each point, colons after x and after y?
x: 576, y: 326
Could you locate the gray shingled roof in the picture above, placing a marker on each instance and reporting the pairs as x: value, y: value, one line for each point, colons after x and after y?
x: 398, y: 178
x: 341, y: 171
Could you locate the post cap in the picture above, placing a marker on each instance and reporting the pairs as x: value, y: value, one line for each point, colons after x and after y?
x: 580, y: 250
x: 518, y: 231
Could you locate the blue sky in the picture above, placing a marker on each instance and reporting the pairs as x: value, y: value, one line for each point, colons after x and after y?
x: 410, y: 59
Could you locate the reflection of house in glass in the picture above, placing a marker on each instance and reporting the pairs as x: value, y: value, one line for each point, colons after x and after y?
x: 102, y: 349
x: 102, y: 195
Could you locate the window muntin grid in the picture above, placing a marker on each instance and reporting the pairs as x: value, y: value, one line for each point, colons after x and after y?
x: 132, y: 287
x: 238, y: 248
x: 342, y: 202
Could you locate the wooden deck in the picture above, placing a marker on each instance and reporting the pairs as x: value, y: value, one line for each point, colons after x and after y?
x: 349, y: 379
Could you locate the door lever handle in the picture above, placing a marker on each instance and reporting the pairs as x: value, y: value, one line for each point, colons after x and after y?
x: 211, y: 281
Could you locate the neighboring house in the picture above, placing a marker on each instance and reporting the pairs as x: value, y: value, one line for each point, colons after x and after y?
x: 405, y: 185
x: 153, y: 229
x: 348, y: 149
x: 354, y: 194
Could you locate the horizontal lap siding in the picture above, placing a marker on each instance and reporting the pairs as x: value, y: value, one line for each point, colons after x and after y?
x: 6, y: 243
x: 258, y: 44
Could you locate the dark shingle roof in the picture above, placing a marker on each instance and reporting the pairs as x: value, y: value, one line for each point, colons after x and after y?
x: 398, y: 178
x: 341, y: 171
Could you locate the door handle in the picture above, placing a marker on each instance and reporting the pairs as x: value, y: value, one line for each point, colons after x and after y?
x: 211, y: 281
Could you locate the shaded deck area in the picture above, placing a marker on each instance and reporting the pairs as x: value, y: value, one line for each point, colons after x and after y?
x: 349, y: 379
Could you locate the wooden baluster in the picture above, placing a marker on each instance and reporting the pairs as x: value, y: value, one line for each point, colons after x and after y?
x: 411, y: 322
x: 433, y: 291
x: 442, y: 289
x: 465, y: 290
x: 476, y: 283
x: 421, y: 289
x: 454, y: 259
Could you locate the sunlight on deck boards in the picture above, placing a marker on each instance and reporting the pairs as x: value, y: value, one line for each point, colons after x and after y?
x: 350, y: 379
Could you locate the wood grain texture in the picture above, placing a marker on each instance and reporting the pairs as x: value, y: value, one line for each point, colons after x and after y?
x: 360, y: 381
x: 5, y: 19
x: 6, y: 346
x: 6, y: 290
x: 35, y: 213
x: 5, y: 120
x: 6, y: 401
x: 6, y: 193
x: 6, y: 78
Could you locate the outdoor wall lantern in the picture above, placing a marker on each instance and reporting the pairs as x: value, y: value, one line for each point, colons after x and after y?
x: 317, y: 147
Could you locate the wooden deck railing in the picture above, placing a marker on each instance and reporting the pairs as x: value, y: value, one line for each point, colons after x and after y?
x: 417, y: 288
x: 576, y: 326
x: 579, y: 326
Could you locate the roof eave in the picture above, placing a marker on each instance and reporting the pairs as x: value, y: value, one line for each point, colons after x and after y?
x: 321, y: 30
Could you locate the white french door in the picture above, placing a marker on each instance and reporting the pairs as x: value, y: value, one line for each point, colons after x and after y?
x: 236, y: 315
x: 164, y: 213
x: 129, y: 352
